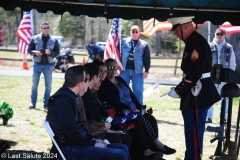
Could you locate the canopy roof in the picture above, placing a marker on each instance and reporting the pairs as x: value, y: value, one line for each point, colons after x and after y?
x: 216, y: 11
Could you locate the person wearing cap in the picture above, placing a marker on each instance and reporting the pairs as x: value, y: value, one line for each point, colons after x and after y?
x: 222, y: 53
x: 196, y: 90
x: 136, y: 61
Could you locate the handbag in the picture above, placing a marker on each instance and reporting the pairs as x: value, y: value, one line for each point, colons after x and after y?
x: 113, y: 137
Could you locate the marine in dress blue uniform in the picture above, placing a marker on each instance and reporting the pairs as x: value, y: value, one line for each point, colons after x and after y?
x: 196, y: 66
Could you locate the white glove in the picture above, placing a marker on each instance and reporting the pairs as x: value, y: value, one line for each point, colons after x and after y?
x: 196, y: 91
x: 173, y: 93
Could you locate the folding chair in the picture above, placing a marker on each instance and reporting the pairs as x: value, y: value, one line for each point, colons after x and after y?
x: 51, y: 134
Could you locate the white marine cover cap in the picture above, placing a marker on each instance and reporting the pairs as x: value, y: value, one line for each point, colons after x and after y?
x: 177, y: 21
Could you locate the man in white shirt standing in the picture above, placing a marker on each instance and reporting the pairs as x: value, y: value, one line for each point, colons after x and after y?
x: 222, y: 53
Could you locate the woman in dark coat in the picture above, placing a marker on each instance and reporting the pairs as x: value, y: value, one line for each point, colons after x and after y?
x: 115, y: 91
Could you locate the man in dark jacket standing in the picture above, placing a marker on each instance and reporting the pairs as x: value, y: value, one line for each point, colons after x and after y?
x: 73, y: 139
x: 196, y: 90
x: 44, y: 49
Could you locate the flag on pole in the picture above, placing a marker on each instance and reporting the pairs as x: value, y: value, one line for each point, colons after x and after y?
x: 149, y: 27
x: 113, y: 42
x: 25, y: 32
x: 229, y: 29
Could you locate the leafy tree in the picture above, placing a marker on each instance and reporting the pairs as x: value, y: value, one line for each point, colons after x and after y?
x: 72, y: 27
x: 9, y: 21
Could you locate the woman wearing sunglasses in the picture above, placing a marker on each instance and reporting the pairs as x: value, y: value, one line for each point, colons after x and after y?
x: 116, y: 91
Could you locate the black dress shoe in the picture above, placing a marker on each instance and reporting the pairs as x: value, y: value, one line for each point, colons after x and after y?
x: 32, y: 107
x: 153, y: 156
x: 166, y: 150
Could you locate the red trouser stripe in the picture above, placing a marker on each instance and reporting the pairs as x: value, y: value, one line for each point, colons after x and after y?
x: 196, y: 154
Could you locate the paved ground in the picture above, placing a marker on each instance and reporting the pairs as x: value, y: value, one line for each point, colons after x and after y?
x: 18, y: 72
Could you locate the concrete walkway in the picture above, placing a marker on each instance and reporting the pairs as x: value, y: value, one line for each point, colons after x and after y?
x: 56, y: 75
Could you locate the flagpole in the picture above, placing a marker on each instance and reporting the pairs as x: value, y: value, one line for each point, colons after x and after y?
x: 120, y: 37
x: 32, y: 26
x: 208, y: 31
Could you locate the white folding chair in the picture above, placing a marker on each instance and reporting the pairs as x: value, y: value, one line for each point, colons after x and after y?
x: 51, y: 134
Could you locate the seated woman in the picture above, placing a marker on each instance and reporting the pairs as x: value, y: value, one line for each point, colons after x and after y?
x: 114, y: 90
x: 93, y: 113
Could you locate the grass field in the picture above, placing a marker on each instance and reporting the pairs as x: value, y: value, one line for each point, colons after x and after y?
x: 27, y: 131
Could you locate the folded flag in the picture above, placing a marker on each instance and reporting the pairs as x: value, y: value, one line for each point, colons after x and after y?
x: 130, y: 116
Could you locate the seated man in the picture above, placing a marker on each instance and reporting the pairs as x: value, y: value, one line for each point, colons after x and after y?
x: 73, y: 139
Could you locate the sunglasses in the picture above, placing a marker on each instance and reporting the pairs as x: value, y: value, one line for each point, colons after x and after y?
x: 85, y: 80
x: 45, y: 27
x: 135, y: 32
x: 219, y: 34
x: 112, y: 68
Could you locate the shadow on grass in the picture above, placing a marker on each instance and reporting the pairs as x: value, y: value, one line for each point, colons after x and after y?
x: 4, y: 145
x: 37, y: 109
x: 167, y: 122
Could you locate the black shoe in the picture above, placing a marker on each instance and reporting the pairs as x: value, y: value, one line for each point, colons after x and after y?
x: 45, y: 107
x: 32, y: 107
x: 153, y: 156
x: 209, y: 120
x: 167, y: 150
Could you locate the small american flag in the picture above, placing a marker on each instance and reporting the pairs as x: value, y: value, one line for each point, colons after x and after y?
x: 114, y: 39
x: 25, y: 32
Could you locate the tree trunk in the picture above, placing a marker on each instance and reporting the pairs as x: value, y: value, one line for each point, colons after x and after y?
x: 5, y: 121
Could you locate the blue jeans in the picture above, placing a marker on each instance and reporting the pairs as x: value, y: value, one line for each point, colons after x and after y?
x: 191, y: 152
x: 211, y: 109
x: 137, y: 82
x: 114, y: 151
x: 46, y: 69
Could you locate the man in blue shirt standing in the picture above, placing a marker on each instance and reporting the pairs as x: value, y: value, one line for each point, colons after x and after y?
x: 136, y: 61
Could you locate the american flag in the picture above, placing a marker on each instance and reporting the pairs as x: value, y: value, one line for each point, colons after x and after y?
x: 114, y: 39
x: 25, y: 32
x: 149, y: 27
x: 229, y: 29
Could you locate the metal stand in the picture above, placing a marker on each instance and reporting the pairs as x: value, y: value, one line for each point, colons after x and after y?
x: 229, y: 90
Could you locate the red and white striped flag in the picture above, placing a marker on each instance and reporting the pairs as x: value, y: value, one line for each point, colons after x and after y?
x: 229, y: 29
x: 149, y: 27
x: 114, y: 40
x: 25, y: 32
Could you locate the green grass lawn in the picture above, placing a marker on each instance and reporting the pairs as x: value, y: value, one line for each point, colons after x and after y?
x: 26, y: 126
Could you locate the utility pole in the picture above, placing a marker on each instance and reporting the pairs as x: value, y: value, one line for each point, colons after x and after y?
x: 157, y: 44
x: 92, y: 32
